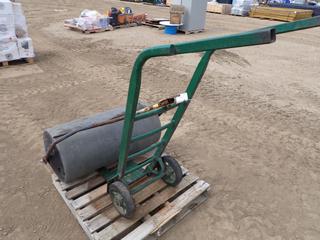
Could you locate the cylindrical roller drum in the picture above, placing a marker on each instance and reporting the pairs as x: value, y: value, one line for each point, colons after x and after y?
x: 89, y: 150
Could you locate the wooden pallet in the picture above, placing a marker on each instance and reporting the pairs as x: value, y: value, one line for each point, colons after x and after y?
x: 154, y: 25
x: 159, y: 207
x: 98, y: 30
x: 191, y: 32
x: 134, y: 24
x: 281, y: 14
x: 18, y: 61
x: 154, y: 22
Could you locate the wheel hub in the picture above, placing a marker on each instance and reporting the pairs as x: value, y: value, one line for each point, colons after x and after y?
x: 119, y: 202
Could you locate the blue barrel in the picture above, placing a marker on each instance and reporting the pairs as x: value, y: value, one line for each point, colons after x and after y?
x: 170, y: 30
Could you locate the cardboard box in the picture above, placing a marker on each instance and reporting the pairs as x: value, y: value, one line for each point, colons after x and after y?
x: 176, y: 14
x: 6, y: 7
x: 9, y: 51
x: 25, y: 48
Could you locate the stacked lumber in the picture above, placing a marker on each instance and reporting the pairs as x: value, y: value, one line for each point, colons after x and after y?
x: 314, y: 8
x: 221, y: 8
x: 282, y: 14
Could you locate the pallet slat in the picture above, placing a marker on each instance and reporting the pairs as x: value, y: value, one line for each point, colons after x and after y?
x: 92, y: 207
x: 110, y: 214
x: 90, y: 197
x: 140, y: 196
x: 122, y: 224
x: 85, y: 187
x: 154, y: 223
x: 17, y: 61
x: 67, y: 186
x: 97, y: 30
x: 95, y: 208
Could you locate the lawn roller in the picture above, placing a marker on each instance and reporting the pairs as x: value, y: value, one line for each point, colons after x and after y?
x: 111, y: 142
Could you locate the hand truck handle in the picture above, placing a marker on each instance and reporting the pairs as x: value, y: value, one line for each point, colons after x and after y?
x: 256, y: 37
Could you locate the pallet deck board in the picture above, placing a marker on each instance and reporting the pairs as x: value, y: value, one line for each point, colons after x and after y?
x: 85, y: 187
x: 159, y: 207
x: 78, y: 29
x: 95, y: 208
x: 139, y: 197
x: 122, y: 224
x: 171, y: 210
x: 86, y: 199
x: 191, y: 31
x: 17, y: 62
x: 67, y: 186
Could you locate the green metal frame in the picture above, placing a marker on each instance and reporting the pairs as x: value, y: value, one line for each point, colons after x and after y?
x: 128, y: 171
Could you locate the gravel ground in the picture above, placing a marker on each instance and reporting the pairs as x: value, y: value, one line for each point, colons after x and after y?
x: 252, y: 130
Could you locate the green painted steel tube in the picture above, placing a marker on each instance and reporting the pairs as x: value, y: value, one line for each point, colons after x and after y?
x: 139, y: 187
x: 146, y: 150
x: 261, y: 36
x: 148, y: 134
x: 158, y: 111
x: 191, y: 89
x: 296, y: 25
x: 239, y: 40
x: 140, y: 165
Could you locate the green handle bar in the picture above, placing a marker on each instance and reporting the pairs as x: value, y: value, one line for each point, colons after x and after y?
x: 257, y: 37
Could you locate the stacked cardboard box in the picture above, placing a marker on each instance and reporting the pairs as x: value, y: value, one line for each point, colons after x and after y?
x: 14, y: 41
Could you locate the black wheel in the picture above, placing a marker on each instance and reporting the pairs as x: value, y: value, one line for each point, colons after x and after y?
x: 122, y: 199
x: 173, y: 172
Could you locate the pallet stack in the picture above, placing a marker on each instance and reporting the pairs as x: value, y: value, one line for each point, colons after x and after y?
x: 282, y: 14
x: 14, y: 41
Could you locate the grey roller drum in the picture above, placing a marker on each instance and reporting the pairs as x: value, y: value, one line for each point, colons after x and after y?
x: 87, y: 151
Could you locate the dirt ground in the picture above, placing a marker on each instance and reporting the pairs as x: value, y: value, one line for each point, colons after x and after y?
x: 252, y: 130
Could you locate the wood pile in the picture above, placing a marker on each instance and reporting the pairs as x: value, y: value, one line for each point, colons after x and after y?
x: 282, y: 14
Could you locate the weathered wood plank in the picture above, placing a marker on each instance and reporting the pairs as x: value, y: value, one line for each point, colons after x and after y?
x: 68, y: 203
x: 101, y: 204
x: 166, y: 214
x: 68, y: 186
x: 85, y: 187
x: 123, y: 224
x: 86, y: 199
x: 95, y: 208
x: 110, y: 214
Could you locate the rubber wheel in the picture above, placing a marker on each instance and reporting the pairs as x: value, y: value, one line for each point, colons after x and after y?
x: 122, y: 199
x: 173, y: 172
